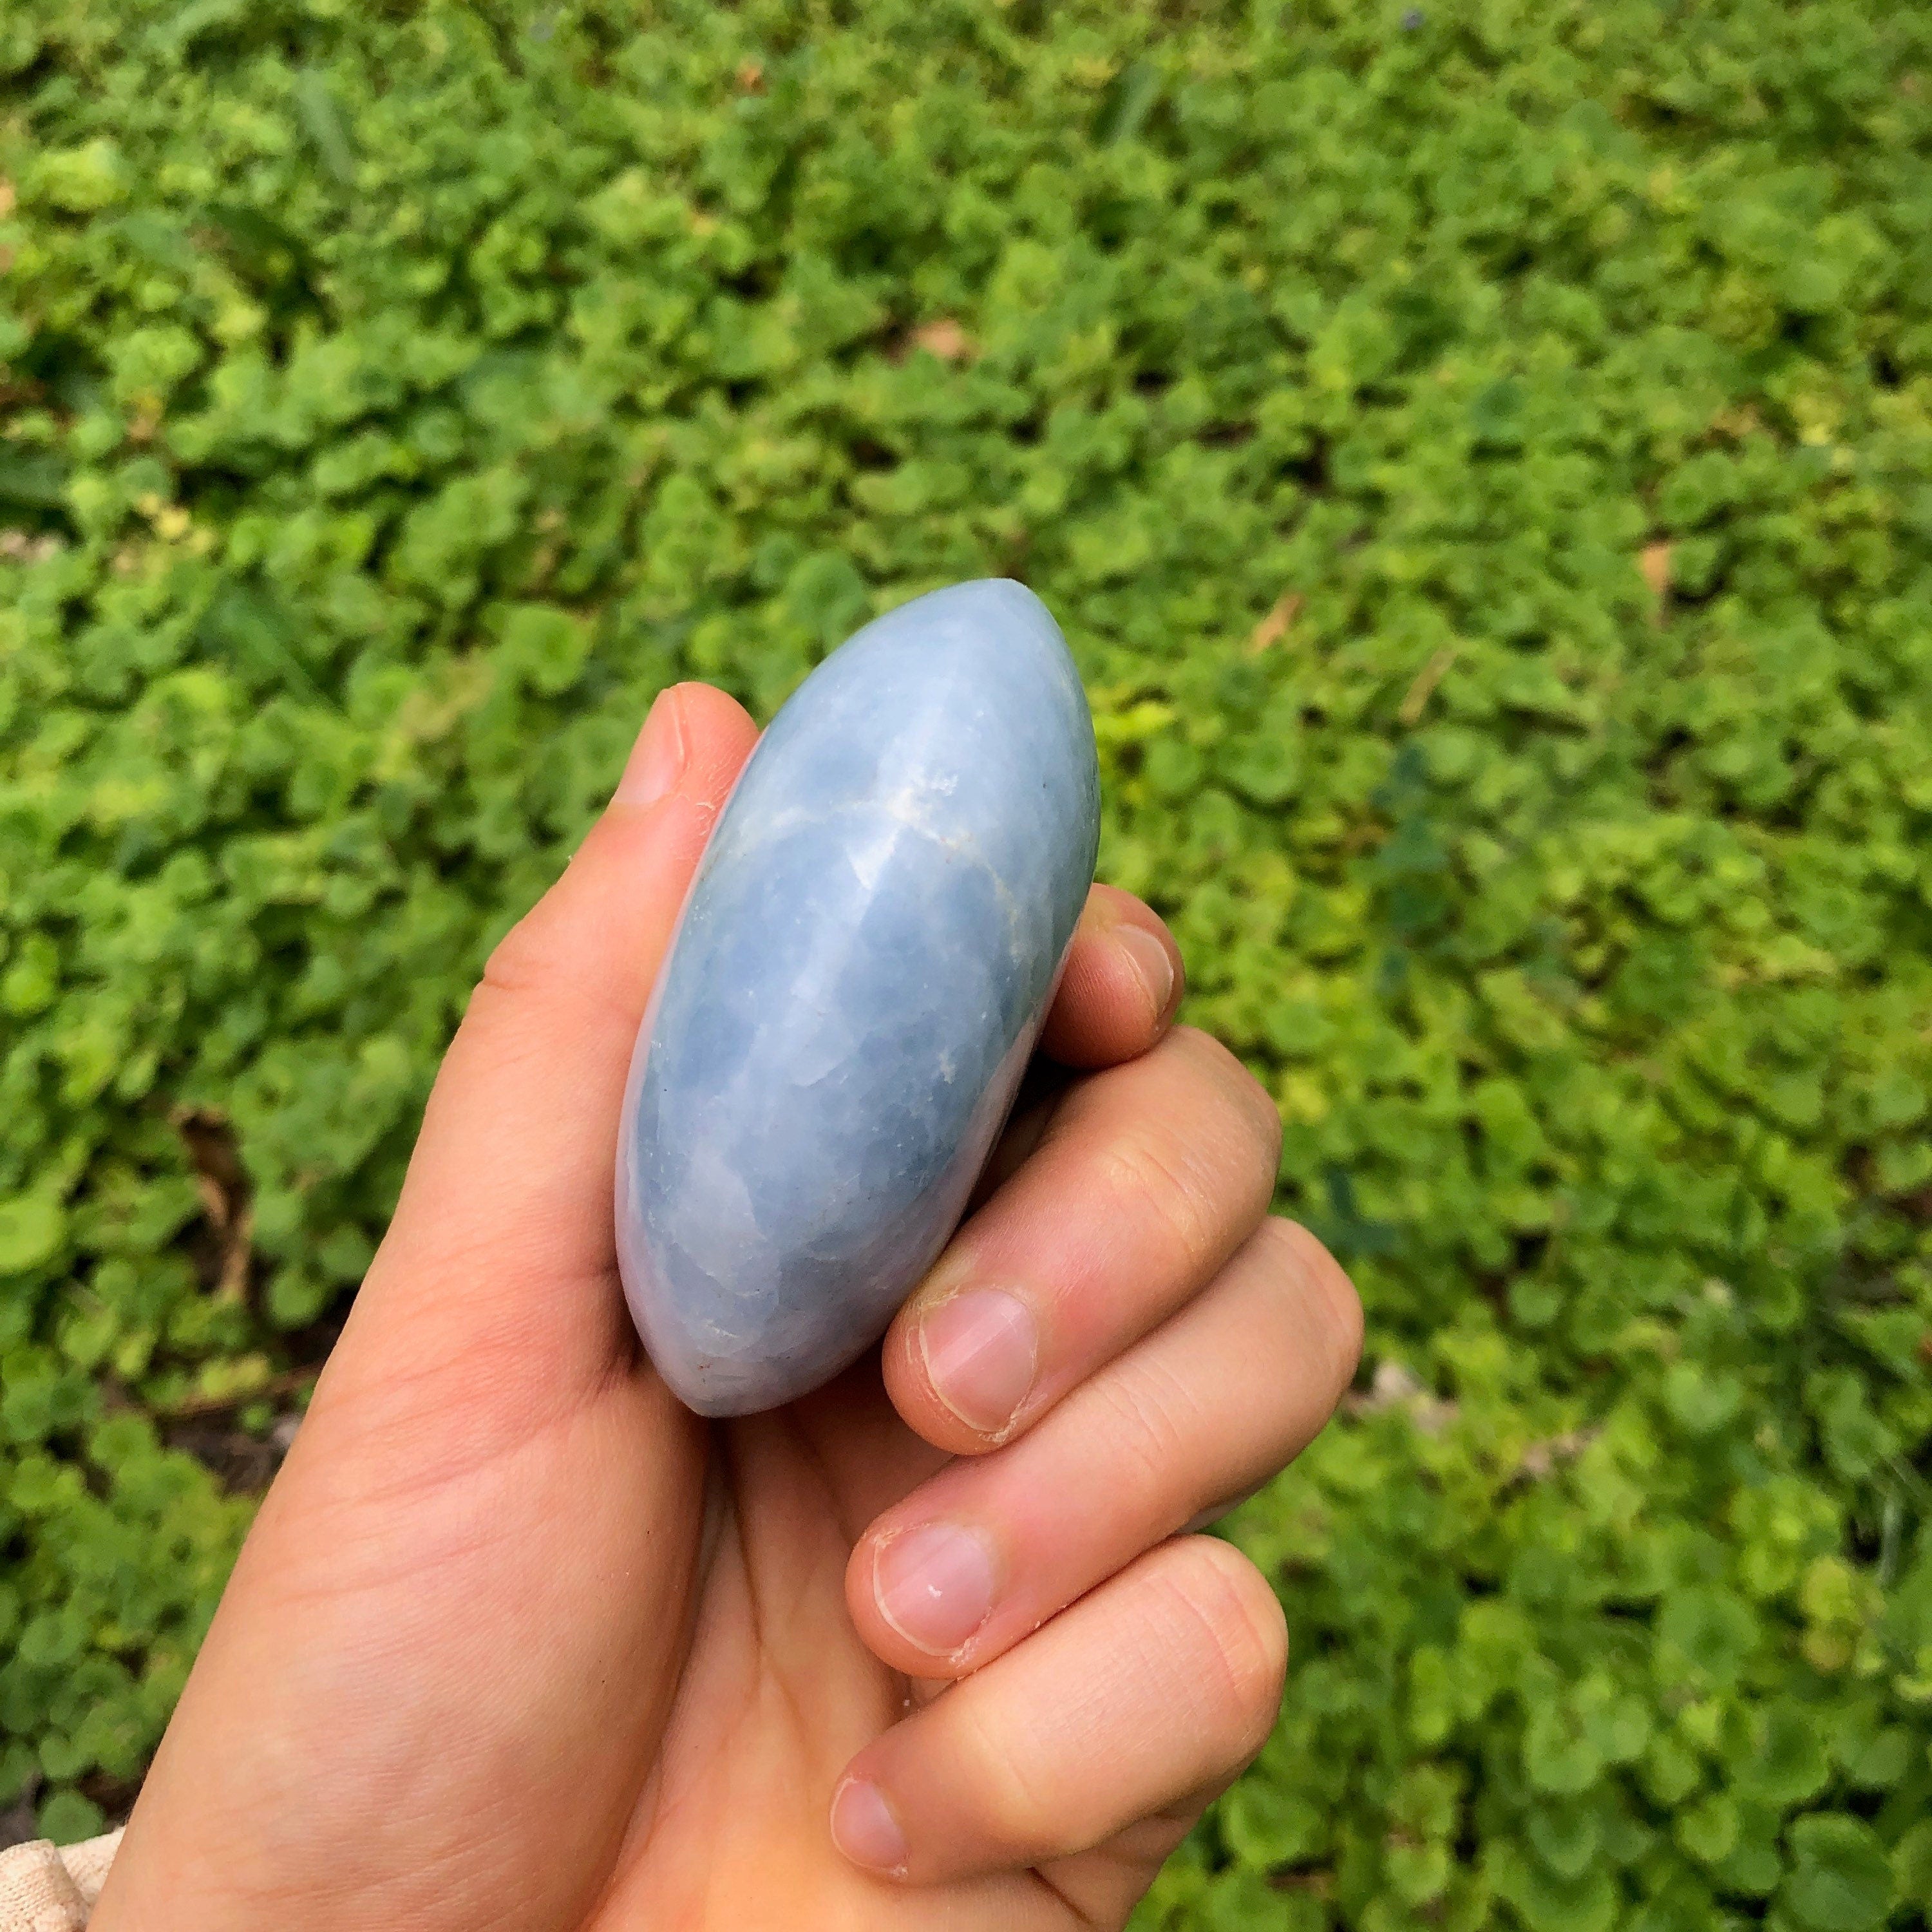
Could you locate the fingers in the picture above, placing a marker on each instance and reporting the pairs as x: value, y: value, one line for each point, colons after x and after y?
x: 1122, y: 984
x: 510, y: 1182
x: 1066, y: 1726
x: 1153, y: 1691
x: 1117, y: 995
x: 1205, y: 1409
x: 1151, y: 1175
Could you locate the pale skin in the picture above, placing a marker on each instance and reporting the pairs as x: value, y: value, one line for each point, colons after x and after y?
x: 517, y: 1641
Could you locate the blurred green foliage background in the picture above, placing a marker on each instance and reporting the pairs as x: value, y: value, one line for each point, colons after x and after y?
x: 1482, y: 457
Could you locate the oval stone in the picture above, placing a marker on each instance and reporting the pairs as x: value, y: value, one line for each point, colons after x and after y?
x: 858, y: 976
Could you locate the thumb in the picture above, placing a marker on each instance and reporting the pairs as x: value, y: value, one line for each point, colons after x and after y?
x: 500, y: 1255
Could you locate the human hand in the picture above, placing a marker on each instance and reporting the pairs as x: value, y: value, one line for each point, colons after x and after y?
x: 517, y: 1641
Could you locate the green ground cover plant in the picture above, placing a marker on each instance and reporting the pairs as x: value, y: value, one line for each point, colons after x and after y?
x: 1481, y: 454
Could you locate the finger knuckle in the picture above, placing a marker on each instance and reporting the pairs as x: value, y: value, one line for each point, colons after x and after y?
x: 1149, y: 1175
x: 1244, y: 1635
x: 1311, y: 1277
x: 1156, y: 1421
x: 1015, y: 1798
x: 528, y: 958
x: 500, y: 1016
x: 517, y: 964
x: 549, y: 960
x: 1235, y: 1086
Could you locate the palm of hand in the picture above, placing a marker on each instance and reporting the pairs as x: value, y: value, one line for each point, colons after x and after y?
x: 681, y: 1585
x: 517, y: 1641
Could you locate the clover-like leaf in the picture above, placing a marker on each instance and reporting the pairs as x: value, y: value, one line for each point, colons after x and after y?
x: 1841, y: 1879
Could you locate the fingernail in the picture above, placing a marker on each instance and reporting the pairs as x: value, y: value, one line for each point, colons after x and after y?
x: 1151, y: 961
x: 934, y: 1585
x: 864, y: 1828
x: 656, y: 761
x: 981, y: 1349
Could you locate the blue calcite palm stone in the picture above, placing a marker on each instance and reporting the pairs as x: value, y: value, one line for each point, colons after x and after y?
x: 859, y: 974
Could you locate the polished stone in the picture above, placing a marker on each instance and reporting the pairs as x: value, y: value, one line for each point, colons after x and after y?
x: 858, y: 977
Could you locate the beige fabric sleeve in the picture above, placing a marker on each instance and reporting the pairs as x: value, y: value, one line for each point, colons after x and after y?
x: 44, y: 1888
